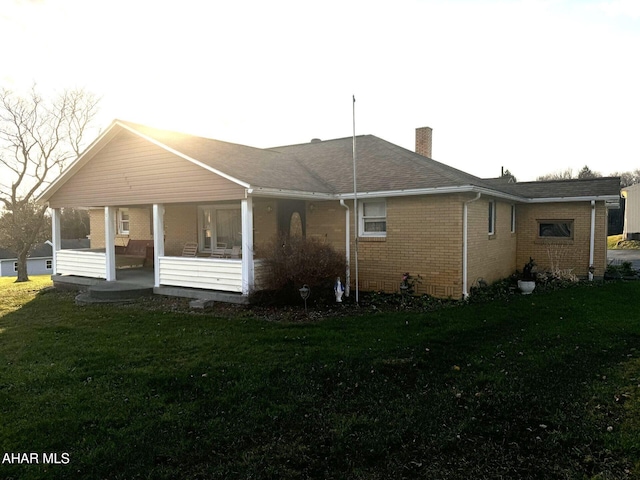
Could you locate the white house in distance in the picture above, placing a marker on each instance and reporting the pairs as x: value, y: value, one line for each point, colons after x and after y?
x: 40, y: 259
x: 631, y: 229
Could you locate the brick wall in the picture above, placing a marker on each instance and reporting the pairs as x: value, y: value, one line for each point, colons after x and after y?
x: 140, y: 227
x: 180, y: 227
x: 96, y: 227
x: 423, y: 238
x: 570, y: 254
x: 326, y: 222
x: 265, y: 222
x: 490, y: 257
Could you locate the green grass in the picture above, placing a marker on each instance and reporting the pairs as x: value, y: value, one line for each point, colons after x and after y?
x: 544, y: 386
x: 615, y: 242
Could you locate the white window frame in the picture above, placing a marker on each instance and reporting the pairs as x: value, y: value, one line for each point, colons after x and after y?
x: 15, y: 266
x: 362, y: 219
x: 513, y: 218
x: 492, y: 217
x: 214, y: 234
x: 121, y: 221
x: 48, y: 264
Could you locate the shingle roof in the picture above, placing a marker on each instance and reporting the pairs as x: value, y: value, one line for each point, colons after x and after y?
x: 381, y: 166
x: 319, y: 166
x: 327, y: 167
x: 575, y: 188
x: 255, y: 166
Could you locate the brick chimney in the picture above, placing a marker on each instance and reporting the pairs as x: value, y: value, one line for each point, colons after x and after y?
x: 423, y: 141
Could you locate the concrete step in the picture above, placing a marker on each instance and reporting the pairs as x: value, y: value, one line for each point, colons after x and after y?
x: 85, y: 298
x: 118, y: 291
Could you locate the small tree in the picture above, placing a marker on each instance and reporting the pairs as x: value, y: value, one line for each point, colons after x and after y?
x: 586, y: 172
x: 560, y: 175
x: 37, y: 138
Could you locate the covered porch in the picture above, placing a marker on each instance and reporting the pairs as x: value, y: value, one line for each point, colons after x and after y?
x: 226, y: 267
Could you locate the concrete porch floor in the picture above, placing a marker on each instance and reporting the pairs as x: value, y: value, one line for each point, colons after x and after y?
x: 132, y: 283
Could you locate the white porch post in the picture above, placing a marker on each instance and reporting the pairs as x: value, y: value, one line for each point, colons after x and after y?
x: 110, y: 242
x: 248, y: 278
x: 158, y: 240
x: 56, y: 237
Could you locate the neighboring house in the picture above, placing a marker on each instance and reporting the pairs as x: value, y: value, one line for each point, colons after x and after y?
x: 631, y: 229
x: 39, y: 260
x: 413, y: 213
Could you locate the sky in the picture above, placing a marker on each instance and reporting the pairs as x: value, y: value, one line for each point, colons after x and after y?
x: 534, y: 86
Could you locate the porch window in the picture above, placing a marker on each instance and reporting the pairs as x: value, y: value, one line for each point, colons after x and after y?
x: 555, y: 228
x: 219, y: 225
x: 123, y: 221
x: 373, y: 218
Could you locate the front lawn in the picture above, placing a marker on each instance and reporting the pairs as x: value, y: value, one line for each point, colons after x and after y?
x: 544, y: 386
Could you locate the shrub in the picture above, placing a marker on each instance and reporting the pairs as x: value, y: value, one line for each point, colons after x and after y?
x: 623, y: 270
x: 291, y: 262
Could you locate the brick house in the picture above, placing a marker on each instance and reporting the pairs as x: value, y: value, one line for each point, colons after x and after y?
x: 414, y: 214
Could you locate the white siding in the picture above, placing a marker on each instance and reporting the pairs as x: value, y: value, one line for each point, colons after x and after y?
x: 632, y: 210
x: 203, y: 273
x: 81, y: 263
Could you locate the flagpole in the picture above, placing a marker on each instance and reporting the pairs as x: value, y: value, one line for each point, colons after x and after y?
x: 355, y: 198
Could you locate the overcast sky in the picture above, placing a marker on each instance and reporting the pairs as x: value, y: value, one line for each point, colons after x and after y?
x: 535, y: 86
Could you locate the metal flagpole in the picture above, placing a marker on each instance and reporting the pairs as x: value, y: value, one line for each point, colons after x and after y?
x: 355, y: 198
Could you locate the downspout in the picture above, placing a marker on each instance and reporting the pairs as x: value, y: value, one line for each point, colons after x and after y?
x: 347, y: 246
x: 465, y: 247
x: 592, y: 239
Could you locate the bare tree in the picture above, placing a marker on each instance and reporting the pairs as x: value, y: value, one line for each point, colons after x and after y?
x: 37, y: 139
x: 560, y: 175
x: 628, y: 178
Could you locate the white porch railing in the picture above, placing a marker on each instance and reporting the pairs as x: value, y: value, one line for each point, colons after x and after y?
x: 204, y: 273
x: 83, y: 263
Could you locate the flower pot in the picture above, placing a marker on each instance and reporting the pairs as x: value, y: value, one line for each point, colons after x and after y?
x: 526, y: 286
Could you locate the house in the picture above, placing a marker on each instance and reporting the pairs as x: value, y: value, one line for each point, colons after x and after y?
x: 631, y: 229
x: 412, y: 214
x: 39, y: 259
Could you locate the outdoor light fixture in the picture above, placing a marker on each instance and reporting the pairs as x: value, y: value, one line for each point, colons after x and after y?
x: 312, y: 207
x: 305, y: 291
x: 269, y: 208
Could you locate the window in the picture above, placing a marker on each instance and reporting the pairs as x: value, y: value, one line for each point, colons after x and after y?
x: 49, y: 264
x: 492, y: 217
x: 15, y: 266
x: 555, y: 228
x: 123, y: 221
x: 373, y: 218
x: 219, y: 224
x: 513, y: 219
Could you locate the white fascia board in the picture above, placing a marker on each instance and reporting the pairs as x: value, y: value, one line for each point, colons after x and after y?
x: 292, y: 194
x: 435, y: 191
x: 475, y: 189
x: 186, y: 157
x: 586, y: 198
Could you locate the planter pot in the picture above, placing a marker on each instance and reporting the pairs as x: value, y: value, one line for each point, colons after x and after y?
x: 526, y: 286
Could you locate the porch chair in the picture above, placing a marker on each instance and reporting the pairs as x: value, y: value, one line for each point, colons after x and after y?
x: 220, y: 251
x: 190, y: 249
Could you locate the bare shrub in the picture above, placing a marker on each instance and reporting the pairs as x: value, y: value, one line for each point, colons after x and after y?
x: 291, y: 262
